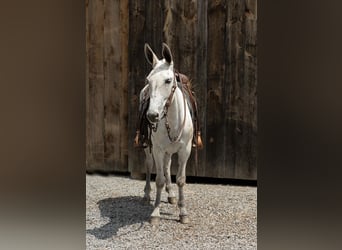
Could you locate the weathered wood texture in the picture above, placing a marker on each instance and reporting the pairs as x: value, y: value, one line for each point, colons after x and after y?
x: 136, y: 78
x: 213, y: 42
x: 107, y: 69
x: 231, y: 93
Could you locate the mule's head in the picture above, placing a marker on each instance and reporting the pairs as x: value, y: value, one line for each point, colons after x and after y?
x: 160, y: 80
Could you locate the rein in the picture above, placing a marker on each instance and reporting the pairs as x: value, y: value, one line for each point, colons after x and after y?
x: 166, y: 109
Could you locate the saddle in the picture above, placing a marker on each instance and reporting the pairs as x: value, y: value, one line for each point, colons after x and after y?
x: 143, y: 126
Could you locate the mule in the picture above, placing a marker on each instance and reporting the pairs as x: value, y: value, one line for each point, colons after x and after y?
x: 171, y: 129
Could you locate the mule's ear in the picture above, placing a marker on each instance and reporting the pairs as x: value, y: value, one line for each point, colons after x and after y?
x: 167, y: 53
x: 150, y: 56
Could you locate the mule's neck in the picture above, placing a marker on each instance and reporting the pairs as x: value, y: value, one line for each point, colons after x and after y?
x: 176, y: 111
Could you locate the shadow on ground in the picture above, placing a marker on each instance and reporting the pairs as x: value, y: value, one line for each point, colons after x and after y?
x: 121, y: 211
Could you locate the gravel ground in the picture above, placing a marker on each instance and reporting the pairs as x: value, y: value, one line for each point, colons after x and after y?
x: 221, y: 216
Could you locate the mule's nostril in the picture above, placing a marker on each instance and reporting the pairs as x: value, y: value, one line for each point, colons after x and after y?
x: 152, y: 116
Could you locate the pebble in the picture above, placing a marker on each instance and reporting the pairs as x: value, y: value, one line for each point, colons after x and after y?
x: 221, y: 216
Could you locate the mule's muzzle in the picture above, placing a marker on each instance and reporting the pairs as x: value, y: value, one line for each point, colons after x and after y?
x: 152, y: 116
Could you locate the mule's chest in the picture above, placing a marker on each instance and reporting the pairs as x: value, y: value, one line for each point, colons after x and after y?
x: 163, y: 143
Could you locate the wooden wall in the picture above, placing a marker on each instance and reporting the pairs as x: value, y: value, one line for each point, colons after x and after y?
x: 213, y: 42
x: 107, y: 78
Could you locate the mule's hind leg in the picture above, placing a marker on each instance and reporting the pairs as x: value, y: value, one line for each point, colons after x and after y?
x: 148, y: 165
x: 183, y: 156
x: 171, y: 195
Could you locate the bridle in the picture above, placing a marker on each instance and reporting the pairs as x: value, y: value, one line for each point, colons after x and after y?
x: 154, y: 127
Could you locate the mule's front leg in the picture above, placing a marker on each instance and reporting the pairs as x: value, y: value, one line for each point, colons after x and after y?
x: 148, y: 165
x: 183, y: 156
x: 160, y: 182
x: 167, y: 164
x: 183, y: 215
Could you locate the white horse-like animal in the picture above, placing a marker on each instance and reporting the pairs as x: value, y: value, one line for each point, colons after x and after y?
x: 172, y: 130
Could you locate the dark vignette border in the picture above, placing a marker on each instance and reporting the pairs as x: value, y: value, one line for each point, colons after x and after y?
x: 299, y: 124
x: 43, y: 124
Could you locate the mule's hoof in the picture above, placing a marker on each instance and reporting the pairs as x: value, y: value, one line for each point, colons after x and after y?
x: 184, y: 219
x: 154, y: 220
x: 172, y: 200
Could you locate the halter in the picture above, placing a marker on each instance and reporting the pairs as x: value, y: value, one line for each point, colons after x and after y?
x: 166, y: 109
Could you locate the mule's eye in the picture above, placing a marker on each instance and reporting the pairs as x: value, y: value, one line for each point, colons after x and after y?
x: 168, y: 81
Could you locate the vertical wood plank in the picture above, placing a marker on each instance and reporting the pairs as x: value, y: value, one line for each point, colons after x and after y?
x: 123, y: 66
x: 215, y: 127
x: 234, y: 96
x: 200, y: 83
x: 250, y: 102
x: 87, y: 10
x: 153, y: 32
x: 111, y: 51
x: 115, y: 131
x: 137, y: 69
x: 241, y: 147
x: 95, y: 114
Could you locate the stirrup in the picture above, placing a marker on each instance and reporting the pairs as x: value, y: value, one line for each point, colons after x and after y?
x: 136, y: 139
x: 199, y: 140
x: 197, y: 143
